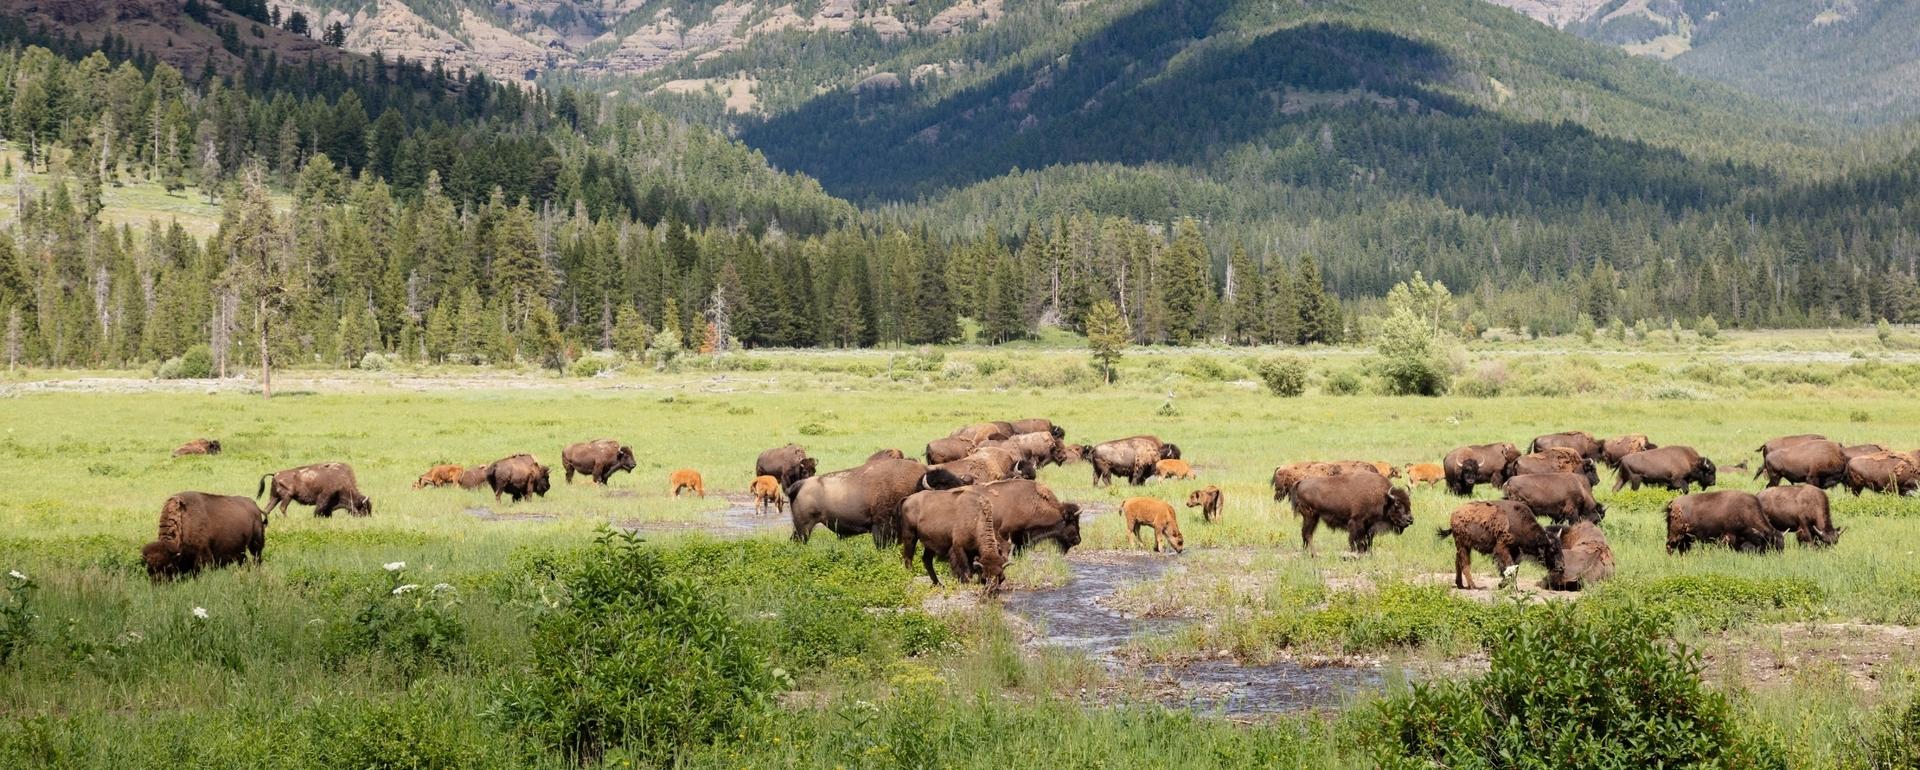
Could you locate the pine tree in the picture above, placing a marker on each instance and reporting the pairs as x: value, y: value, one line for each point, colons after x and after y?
x: 1247, y: 317
x: 259, y: 264
x: 442, y: 336
x: 1183, y: 284
x: 1107, y: 334
x: 15, y: 338
x: 540, y: 341
x: 1004, y: 321
x: 1320, y: 319
x: 630, y: 333
x: 474, y: 325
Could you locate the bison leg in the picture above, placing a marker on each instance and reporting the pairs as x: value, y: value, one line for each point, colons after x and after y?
x: 1133, y: 534
x: 802, y: 529
x: 1463, y: 566
x: 1308, y: 523
x: 961, y: 563
x: 1360, y: 541
x: 926, y: 560
x: 569, y: 467
x: 1620, y: 481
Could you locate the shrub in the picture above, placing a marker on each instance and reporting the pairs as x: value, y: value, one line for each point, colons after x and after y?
x: 195, y: 364
x: 1210, y: 369
x: 632, y: 657
x: 1568, y: 688
x: 1884, y: 331
x: 406, y: 625
x: 1285, y: 377
x: 1410, y: 361
x: 1712, y: 602
x: 412, y: 733
x: 374, y: 362
x: 592, y: 365
x: 16, y: 615
x: 1344, y: 382
x: 1896, y: 742
x: 1707, y: 328
x: 1583, y: 326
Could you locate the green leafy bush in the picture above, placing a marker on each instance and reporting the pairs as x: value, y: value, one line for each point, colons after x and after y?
x: 374, y: 362
x: 414, y: 733
x: 592, y: 364
x: 406, y: 625
x: 1569, y: 688
x: 1712, y: 602
x: 1896, y: 741
x: 16, y: 615
x: 1211, y: 369
x: 1409, y: 359
x: 1344, y: 382
x: 1285, y: 377
x: 195, y: 364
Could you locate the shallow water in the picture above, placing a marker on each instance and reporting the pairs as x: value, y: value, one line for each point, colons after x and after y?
x: 1073, y: 617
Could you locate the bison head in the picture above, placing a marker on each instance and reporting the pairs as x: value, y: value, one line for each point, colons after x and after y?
x: 1169, y: 451
x: 213, y: 446
x: 806, y: 468
x: 1705, y: 473
x: 1058, y: 432
x: 1592, y: 473
x: 1827, y: 537
x: 941, y: 478
x: 1025, y: 469
x: 1399, y: 509
x: 362, y: 506
x: 1069, y: 526
x: 623, y: 460
x: 541, y: 482
x: 164, y: 563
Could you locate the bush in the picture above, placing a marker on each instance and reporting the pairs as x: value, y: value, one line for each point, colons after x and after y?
x: 1897, y: 741
x: 1569, y: 688
x: 195, y: 364
x: 592, y: 364
x: 16, y: 615
x: 412, y: 733
x: 1884, y: 331
x: 374, y: 362
x: 406, y: 625
x: 1344, y: 382
x: 1410, y: 361
x: 1707, y: 328
x: 1285, y: 377
x: 632, y: 657
x: 1210, y: 369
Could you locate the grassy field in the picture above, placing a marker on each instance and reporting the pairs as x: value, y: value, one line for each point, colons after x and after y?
x: 292, y: 665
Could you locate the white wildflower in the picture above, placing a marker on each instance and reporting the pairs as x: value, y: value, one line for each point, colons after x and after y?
x: 201, y: 613
x: 16, y: 575
x: 395, y: 566
x: 439, y: 587
x: 405, y: 588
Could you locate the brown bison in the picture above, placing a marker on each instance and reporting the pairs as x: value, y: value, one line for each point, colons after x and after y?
x: 1360, y: 503
x: 325, y: 486
x: 1893, y: 472
x: 984, y: 431
x: 1614, y: 449
x: 1674, y: 467
x: 199, y: 446
x: 860, y: 500
x: 1173, y: 469
x: 1132, y: 457
x: 789, y: 464
x: 1038, y: 425
x: 1782, y: 442
x: 1426, y: 473
x: 1154, y: 513
x: 1563, y: 497
x: 887, y: 454
x: 200, y: 531
x: 1731, y: 517
x: 984, y: 465
x: 946, y: 450
x: 438, y: 476
x: 1861, y: 450
x: 686, y: 479
x: 519, y: 477
x: 1468, y: 466
x: 1207, y: 499
x: 1042, y: 448
x: 1585, y: 557
x: 474, y: 477
x: 1818, y: 462
x: 1802, y: 510
x: 1580, y: 441
x: 1557, y: 460
x: 1029, y: 513
x: 766, y: 491
x: 960, y: 524
x: 1286, y: 477
x: 598, y: 459
x: 1503, y: 529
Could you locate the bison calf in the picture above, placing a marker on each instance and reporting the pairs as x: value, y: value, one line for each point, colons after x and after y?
x: 766, y: 491
x: 199, y: 531
x: 685, y: 479
x: 1730, y: 517
x: 1207, y: 499
x: 1503, y: 529
x: 1152, y: 512
x: 1173, y: 469
x: 199, y: 446
x: 1426, y: 473
x: 438, y: 476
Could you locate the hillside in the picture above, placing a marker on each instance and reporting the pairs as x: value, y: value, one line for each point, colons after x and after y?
x: 211, y: 36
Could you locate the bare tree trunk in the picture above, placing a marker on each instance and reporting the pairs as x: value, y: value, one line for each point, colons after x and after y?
x: 266, y: 364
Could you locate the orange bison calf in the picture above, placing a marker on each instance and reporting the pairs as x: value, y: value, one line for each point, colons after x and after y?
x: 684, y: 479
x: 766, y: 491
x: 1173, y: 469
x: 199, y: 531
x: 439, y: 476
x: 1151, y: 512
x: 1207, y: 499
x: 1426, y: 473
x: 199, y: 446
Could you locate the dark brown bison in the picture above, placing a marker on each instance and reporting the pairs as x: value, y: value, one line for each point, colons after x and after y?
x: 1557, y: 460
x: 474, y: 477
x: 200, y: 531
x: 1731, y: 517
x: 1674, y: 467
x: 1818, y: 462
x: 861, y: 500
x: 789, y: 464
x: 199, y: 446
x: 598, y: 459
x: 1563, y: 497
x: 946, y: 450
x: 1360, y: 503
x: 1579, y: 441
x: 1802, y: 510
x: 887, y: 454
x: 1029, y: 513
x: 958, y: 523
x: 1286, y: 477
x: 1041, y: 448
x: 1614, y: 449
x: 1132, y: 457
x: 1503, y: 529
x: 1893, y: 472
x: 1782, y: 442
x: 1585, y: 557
x: 325, y: 486
x: 984, y: 431
x: 1038, y: 425
x: 1468, y: 466
x: 1861, y: 450
x: 519, y: 477
x: 984, y: 465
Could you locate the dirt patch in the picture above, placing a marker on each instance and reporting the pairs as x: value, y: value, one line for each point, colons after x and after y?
x: 1775, y: 655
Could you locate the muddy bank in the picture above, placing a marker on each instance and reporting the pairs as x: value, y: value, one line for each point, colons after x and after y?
x: 738, y: 519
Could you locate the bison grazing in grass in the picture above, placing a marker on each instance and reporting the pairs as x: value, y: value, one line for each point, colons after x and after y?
x: 1028, y: 513
x: 986, y: 464
x: 1730, y: 517
x: 1132, y: 457
x: 201, y: 531
x: 946, y: 450
x: 1173, y: 469
x: 1883, y: 471
x: 1811, y: 460
x: 598, y: 459
x: 518, y: 477
x: 1585, y: 557
x: 1040, y: 448
x: 1154, y: 513
x: 1562, y: 497
x: 1288, y: 476
x: 1557, y: 460
x: 474, y: 477
x: 1208, y: 500
x: 887, y: 454
x: 1038, y: 425
x: 1469, y: 466
x: 438, y: 476
x: 1503, y: 529
x: 789, y: 464
x: 863, y: 499
x: 1360, y: 503
x: 199, y: 446
x: 1426, y: 473
x: 1580, y: 441
x: 1782, y: 442
x: 325, y: 486
x: 1802, y: 510
x: 1673, y: 467
x: 960, y: 524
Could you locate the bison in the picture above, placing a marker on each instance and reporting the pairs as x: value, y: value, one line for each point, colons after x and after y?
x: 1802, y: 510
x: 960, y: 524
x: 1029, y: 513
x: 1730, y: 516
x: 887, y: 454
x: 1818, y: 462
x: 1173, y: 469
x: 325, y: 486
x: 1132, y: 457
x: 519, y: 477
x: 1286, y: 477
x: 599, y: 459
x: 1041, y: 448
x: 1883, y: 471
x: 474, y: 477
x: 984, y: 465
x: 1613, y: 450
x: 1585, y: 557
x: 199, y: 446
x: 1426, y: 473
x: 200, y: 531
x: 1208, y: 500
x: 946, y: 450
x: 789, y: 464
x: 1155, y: 513
x: 1503, y: 529
x: 1782, y: 442
x: 1580, y: 441
x: 1563, y: 497
x: 438, y: 476
x: 1468, y: 466
x: 766, y: 491
x: 1557, y: 460
x: 860, y: 500
x: 1861, y: 450
x: 984, y: 431
x: 1674, y: 467
x: 686, y: 479
x: 1360, y: 503
x: 1038, y: 425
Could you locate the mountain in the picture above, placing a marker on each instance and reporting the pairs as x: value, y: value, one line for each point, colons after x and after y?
x: 1853, y: 57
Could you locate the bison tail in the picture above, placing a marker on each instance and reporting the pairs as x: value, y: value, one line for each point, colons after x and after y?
x: 262, y: 489
x: 1443, y: 533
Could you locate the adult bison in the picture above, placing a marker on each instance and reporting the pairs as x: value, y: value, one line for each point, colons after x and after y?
x: 887, y: 454
x: 1674, y: 467
x: 984, y: 465
x: 1029, y: 513
x: 1557, y: 460
x: 1585, y: 557
x: 325, y: 486
x: 1360, y: 503
x: 1730, y: 516
x: 519, y: 477
x: 199, y: 531
x: 474, y: 477
x: 789, y: 464
x: 1579, y: 441
x: 1038, y: 425
x: 1563, y: 497
x: 1288, y: 476
x: 946, y: 450
x: 199, y: 446
x: 1862, y: 450
x: 1802, y: 510
x: 1132, y: 457
x: 959, y: 524
x: 1883, y: 471
x: 984, y: 431
x: 860, y: 500
x: 1782, y: 442
x: 1613, y: 450
x: 1503, y: 529
x: 1818, y: 462
x: 1041, y: 448
x: 599, y: 459
x: 1468, y: 466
